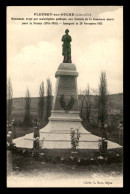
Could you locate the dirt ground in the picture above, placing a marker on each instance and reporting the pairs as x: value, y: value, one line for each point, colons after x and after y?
x: 30, y: 171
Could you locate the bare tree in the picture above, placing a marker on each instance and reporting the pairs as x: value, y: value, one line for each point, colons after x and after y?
x: 82, y: 100
x: 48, y: 99
x: 95, y: 91
x: 85, y: 107
x: 9, y: 100
x: 41, y: 104
x: 27, y: 122
x: 102, y: 102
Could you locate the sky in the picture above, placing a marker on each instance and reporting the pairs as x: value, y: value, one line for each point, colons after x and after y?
x: 34, y: 52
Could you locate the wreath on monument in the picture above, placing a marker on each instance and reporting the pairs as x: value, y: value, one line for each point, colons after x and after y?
x: 65, y: 106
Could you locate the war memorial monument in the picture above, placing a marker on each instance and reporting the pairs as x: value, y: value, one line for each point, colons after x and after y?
x: 64, y: 117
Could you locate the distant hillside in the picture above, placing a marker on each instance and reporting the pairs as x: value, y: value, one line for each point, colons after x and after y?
x: 115, y: 101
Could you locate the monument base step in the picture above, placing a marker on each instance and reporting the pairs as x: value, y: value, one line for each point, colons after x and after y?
x: 56, y: 140
x: 57, y: 134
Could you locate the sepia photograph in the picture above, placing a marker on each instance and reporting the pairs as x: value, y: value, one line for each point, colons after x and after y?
x: 64, y: 98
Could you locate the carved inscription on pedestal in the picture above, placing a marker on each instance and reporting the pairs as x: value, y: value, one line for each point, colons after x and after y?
x: 67, y: 84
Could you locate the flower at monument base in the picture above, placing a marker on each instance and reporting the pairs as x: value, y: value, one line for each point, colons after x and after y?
x: 37, y: 138
x: 79, y: 160
x: 74, y: 137
x: 62, y: 158
x: 43, y: 163
x: 8, y: 135
x: 10, y: 132
x: 102, y: 142
x: 72, y: 157
x: 41, y: 143
x: 23, y: 151
x: 42, y: 154
x: 100, y: 157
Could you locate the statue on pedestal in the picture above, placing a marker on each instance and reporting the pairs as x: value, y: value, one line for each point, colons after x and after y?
x: 66, y: 50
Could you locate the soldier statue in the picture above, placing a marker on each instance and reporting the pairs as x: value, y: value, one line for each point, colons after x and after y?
x: 66, y: 50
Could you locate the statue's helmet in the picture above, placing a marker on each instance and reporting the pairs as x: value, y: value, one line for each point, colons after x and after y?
x: 66, y: 31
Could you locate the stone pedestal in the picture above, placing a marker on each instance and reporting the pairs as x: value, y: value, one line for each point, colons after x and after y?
x: 57, y: 133
x: 66, y: 85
